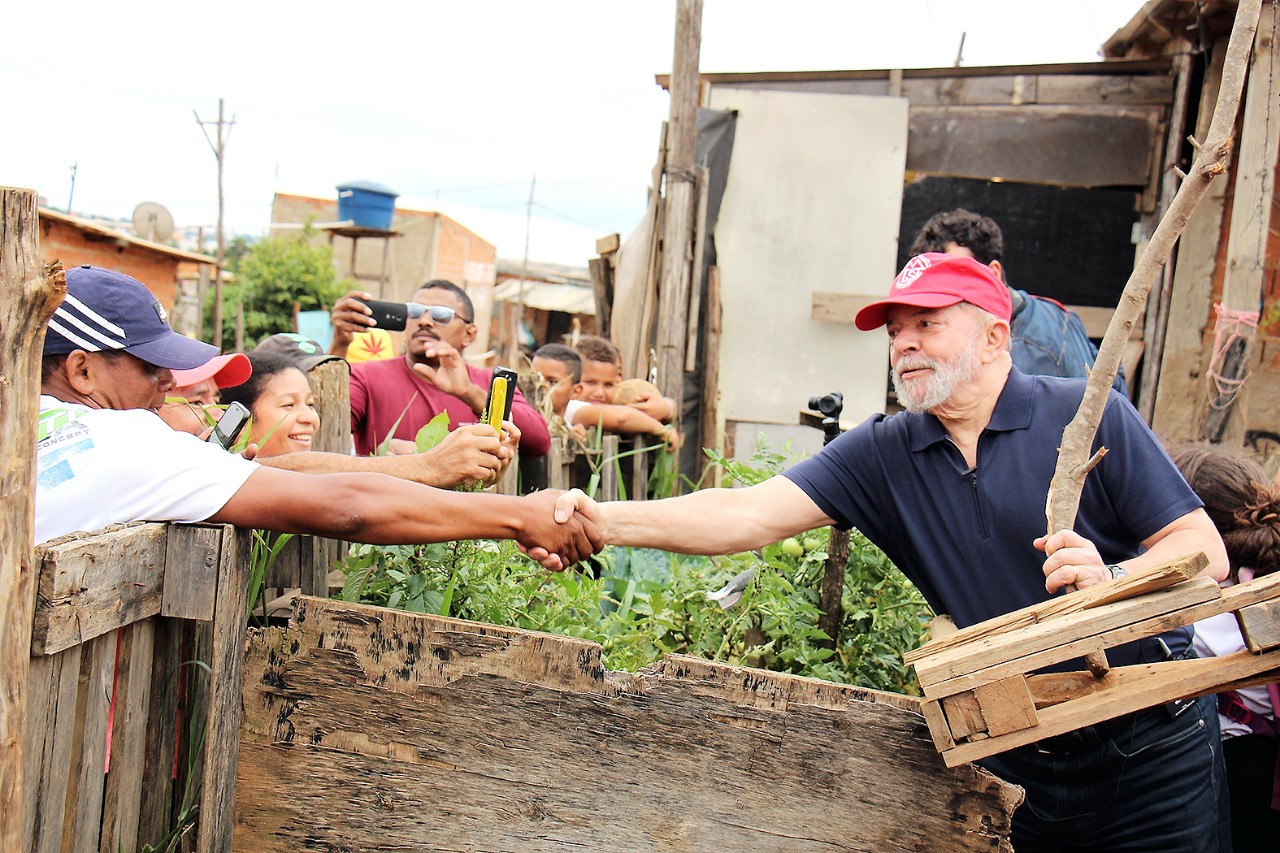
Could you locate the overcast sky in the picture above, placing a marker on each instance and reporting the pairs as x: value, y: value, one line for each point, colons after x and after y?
x: 456, y: 106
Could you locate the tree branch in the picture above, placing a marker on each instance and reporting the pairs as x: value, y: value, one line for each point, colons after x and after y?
x: 1077, y: 439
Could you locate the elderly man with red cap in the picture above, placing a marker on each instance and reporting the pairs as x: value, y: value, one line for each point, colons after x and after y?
x: 953, y: 490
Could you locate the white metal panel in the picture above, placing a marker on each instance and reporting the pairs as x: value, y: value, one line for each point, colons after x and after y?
x: 812, y: 203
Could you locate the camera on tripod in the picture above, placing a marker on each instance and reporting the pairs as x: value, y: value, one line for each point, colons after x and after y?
x: 828, y: 405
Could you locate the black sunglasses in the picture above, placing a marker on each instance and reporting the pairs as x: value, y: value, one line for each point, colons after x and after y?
x: 443, y: 314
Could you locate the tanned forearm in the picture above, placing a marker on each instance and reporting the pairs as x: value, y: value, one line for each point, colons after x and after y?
x: 713, y: 521
x: 416, y: 469
x: 382, y: 510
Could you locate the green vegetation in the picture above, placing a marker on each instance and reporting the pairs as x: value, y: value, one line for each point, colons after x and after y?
x: 273, y: 278
x: 641, y: 604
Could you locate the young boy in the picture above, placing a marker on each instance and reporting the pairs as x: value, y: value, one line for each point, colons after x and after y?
x: 602, y: 381
x: 564, y: 373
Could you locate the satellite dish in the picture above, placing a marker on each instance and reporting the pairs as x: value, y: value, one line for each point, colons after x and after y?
x: 152, y: 221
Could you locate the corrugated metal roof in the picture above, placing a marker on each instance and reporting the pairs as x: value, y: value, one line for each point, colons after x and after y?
x: 569, y: 298
x: 120, y: 236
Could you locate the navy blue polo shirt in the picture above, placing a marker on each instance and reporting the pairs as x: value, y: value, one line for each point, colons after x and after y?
x: 963, y: 535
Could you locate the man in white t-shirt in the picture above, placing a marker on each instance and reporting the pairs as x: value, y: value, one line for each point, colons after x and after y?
x: 105, y: 457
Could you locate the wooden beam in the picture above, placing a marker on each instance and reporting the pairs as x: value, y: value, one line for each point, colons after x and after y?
x: 190, y: 571
x: 217, y: 792
x: 91, y: 585
x: 972, y: 142
x: 1179, y: 393
x: 28, y: 297
x: 1082, y: 634
x: 1134, y: 584
x: 680, y: 199
x: 484, y: 738
x: 1126, y: 690
x: 1250, y: 222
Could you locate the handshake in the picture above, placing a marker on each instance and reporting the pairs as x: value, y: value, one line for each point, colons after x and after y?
x: 560, y: 529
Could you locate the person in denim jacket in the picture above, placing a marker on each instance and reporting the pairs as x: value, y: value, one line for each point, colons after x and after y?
x: 1048, y: 339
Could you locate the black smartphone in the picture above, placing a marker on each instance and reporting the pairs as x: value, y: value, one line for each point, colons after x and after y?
x: 392, y: 316
x: 502, y: 393
x: 229, y: 426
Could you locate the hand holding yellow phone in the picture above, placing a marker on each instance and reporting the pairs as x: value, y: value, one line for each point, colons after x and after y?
x: 502, y: 393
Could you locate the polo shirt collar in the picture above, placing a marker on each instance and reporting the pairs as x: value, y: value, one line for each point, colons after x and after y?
x: 1012, y: 412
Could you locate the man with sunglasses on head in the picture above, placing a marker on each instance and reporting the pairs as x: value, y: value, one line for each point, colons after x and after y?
x: 396, y: 397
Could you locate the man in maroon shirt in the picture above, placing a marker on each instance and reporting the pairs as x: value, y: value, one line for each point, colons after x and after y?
x: 431, y: 377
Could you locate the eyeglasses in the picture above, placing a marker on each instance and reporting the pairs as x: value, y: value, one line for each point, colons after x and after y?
x: 443, y: 314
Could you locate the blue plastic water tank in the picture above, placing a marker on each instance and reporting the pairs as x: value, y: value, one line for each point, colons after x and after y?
x: 367, y: 204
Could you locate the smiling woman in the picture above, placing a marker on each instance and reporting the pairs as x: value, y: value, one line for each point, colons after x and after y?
x: 278, y: 396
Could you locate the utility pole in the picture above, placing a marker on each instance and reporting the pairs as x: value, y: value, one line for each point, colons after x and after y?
x: 218, y: 142
x: 71, y: 195
x: 513, y: 350
x: 677, y: 236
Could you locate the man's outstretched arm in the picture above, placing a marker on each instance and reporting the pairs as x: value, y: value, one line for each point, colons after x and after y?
x: 709, y: 521
x: 382, y: 510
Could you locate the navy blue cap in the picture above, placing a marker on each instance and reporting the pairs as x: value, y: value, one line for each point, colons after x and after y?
x: 106, y: 310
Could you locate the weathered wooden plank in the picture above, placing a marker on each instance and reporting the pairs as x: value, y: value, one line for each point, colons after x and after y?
x: 976, y: 143
x: 418, y: 733
x: 1014, y: 88
x: 1049, y: 650
x: 120, y: 809
x: 964, y: 715
x: 83, y: 822
x: 55, y: 684
x: 1260, y: 625
x: 29, y: 294
x: 191, y: 571
x: 1125, y: 690
x: 1006, y: 705
x: 1179, y: 401
x: 1251, y: 209
x: 1136, y: 583
x: 217, y: 790
x: 838, y: 307
x: 156, y: 800
x: 90, y: 585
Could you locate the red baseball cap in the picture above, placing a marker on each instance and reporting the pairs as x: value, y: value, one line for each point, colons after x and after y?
x: 227, y: 371
x: 937, y: 280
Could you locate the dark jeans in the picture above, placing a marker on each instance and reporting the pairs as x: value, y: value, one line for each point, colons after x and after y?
x: 1251, y: 765
x: 1153, y: 780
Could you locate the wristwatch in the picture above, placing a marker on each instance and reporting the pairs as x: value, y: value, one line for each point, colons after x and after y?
x: 1117, y: 572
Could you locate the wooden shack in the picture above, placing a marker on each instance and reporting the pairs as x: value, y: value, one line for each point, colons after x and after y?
x: 832, y: 173
x: 1214, y: 326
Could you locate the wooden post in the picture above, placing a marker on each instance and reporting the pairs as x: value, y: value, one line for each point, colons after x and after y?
x: 31, y: 293
x: 217, y: 792
x: 1158, y: 309
x: 1075, y: 458
x: 1247, y: 240
x: 677, y: 239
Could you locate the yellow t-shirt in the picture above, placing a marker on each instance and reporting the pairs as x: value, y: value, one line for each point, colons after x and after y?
x: 373, y: 345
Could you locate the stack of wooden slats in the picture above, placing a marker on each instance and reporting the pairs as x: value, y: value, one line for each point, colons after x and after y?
x: 982, y: 695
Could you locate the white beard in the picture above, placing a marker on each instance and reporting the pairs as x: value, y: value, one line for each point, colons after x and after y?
x: 921, y: 395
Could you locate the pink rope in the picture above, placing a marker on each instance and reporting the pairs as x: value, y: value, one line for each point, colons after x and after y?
x: 1229, y: 326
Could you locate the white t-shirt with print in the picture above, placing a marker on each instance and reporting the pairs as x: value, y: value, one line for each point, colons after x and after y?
x: 96, y: 467
x: 572, y: 408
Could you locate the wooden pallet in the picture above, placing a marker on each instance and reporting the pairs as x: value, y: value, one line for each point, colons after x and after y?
x: 982, y: 695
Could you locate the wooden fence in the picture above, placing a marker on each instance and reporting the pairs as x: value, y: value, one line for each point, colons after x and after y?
x: 134, y: 687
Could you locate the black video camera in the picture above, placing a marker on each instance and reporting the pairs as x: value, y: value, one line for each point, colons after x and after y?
x: 828, y: 405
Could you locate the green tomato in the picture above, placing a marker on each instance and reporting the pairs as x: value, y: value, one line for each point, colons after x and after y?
x: 812, y: 543
x: 792, y: 547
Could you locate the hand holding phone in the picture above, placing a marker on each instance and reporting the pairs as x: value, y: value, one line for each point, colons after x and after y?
x: 229, y: 426
x: 392, y: 316
x: 502, y: 393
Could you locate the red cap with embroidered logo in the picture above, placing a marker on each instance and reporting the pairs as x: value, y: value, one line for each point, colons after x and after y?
x: 937, y: 280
